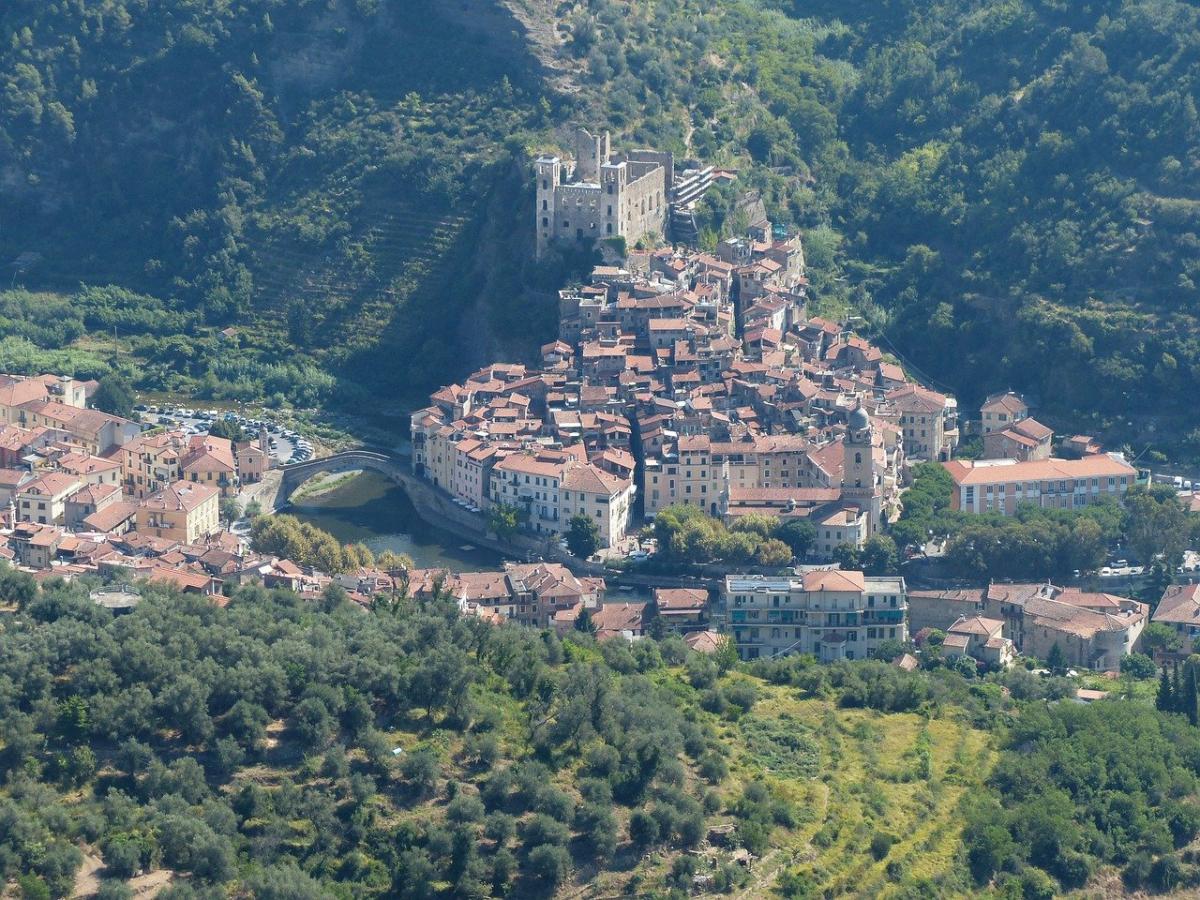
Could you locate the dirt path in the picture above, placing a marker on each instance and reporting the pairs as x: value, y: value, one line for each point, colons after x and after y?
x: 87, y: 879
x: 149, y: 885
x: 144, y: 887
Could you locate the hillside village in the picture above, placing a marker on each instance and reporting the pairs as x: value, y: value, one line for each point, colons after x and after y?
x: 680, y: 380
x: 83, y: 491
x: 688, y: 378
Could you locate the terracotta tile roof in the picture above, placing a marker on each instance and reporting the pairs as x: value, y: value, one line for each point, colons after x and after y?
x: 182, y: 496
x: 914, y: 398
x: 835, y: 580
x: 968, y: 472
x: 52, y: 484
x: 1032, y: 428
x: 11, y: 478
x: 976, y: 625
x: 952, y: 595
x: 1006, y: 402
x: 84, y: 464
x: 1180, y: 605
x: 613, y: 619
x: 94, y: 493
x: 18, y: 393
x: 676, y: 600
x: 527, y: 464
x: 593, y: 480
x: 207, y: 453
x: 801, y: 496
x: 704, y: 641
x: 110, y: 517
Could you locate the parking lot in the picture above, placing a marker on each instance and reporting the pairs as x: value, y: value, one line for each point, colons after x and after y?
x: 285, y: 445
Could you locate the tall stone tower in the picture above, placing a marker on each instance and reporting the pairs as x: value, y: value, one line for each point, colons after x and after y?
x: 591, y: 152
x: 614, y: 177
x: 859, y: 479
x: 548, y: 171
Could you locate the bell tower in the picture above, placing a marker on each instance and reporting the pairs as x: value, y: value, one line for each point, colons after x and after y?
x: 860, y: 481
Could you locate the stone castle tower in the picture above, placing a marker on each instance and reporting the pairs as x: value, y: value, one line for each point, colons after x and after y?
x: 601, y: 195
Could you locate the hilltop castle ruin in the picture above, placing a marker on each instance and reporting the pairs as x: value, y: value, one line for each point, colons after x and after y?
x: 601, y: 194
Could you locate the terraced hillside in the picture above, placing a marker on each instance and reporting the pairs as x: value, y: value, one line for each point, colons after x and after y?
x: 864, y: 780
x: 355, y: 288
x: 302, y: 173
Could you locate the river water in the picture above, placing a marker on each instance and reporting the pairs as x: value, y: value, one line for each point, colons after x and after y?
x: 372, y: 510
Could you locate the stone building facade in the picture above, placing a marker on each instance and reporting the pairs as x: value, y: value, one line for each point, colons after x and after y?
x: 601, y: 195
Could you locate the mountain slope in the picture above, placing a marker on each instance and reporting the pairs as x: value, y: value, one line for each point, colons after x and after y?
x: 1006, y: 191
x: 305, y: 171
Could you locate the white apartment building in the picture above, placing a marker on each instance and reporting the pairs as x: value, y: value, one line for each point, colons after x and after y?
x: 831, y: 614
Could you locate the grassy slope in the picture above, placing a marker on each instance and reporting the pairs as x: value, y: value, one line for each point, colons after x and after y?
x: 868, y: 783
x: 864, y: 780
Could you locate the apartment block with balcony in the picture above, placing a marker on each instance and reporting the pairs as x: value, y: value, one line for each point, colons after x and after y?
x: 829, y: 613
x: 151, y: 462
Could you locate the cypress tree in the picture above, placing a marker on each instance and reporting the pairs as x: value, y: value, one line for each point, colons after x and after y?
x: 1189, y: 695
x: 1177, y: 689
x: 1056, y: 661
x: 1164, y: 701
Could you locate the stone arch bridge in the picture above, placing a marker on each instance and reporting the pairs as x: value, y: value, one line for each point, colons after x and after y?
x: 292, y: 475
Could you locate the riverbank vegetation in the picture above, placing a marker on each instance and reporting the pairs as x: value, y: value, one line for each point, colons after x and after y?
x: 323, y: 484
x: 286, y: 537
x: 302, y: 748
x: 688, y: 535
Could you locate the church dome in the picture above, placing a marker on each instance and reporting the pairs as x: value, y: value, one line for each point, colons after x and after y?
x: 859, y: 420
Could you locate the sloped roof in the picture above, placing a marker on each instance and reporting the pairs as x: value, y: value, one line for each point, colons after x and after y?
x: 834, y: 580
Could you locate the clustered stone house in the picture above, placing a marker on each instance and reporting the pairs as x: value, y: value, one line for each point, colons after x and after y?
x: 1179, y: 609
x: 695, y: 378
x: 1093, y: 630
x: 541, y: 595
x: 981, y: 639
x: 80, y: 488
x: 548, y: 595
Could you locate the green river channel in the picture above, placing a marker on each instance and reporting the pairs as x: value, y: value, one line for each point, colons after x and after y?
x: 370, y: 509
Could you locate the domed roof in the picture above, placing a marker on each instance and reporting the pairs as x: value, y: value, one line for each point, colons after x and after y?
x: 859, y: 420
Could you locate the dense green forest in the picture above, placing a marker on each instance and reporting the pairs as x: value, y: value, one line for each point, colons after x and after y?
x: 1005, y: 190
x: 319, y: 175
x: 298, y: 748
